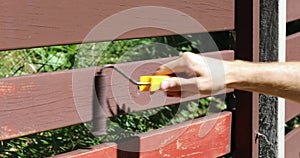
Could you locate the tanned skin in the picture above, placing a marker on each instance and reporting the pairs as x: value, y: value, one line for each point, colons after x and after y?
x: 206, y: 75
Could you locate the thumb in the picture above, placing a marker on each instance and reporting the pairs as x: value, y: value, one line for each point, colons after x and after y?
x: 176, y: 84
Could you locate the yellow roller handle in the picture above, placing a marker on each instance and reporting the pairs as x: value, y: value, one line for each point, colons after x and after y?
x: 154, y: 81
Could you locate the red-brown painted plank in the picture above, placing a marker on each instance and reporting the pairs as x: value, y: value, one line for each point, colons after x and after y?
x: 292, y: 109
x: 292, y: 11
x: 292, y: 54
x: 206, y: 137
x: 292, y: 140
x: 293, y: 47
x: 40, y: 102
x: 32, y: 23
x: 105, y: 150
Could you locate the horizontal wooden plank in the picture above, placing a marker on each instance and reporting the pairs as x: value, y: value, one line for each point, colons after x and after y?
x: 207, y: 137
x: 32, y: 23
x: 292, y: 140
x: 105, y: 150
x: 292, y: 109
x: 293, y: 47
x: 292, y: 11
x: 40, y: 102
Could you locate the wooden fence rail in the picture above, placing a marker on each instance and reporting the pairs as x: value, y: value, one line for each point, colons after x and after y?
x: 181, y: 140
x: 292, y: 10
x: 35, y: 103
x: 33, y: 23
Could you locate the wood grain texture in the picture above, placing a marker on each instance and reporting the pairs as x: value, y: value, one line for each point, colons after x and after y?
x: 292, y: 109
x: 32, y: 23
x: 292, y: 11
x: 293, y: 47
x: 269, y: 112
x: 292, y: 140
x: 206, y: 137
x: 40, y: 102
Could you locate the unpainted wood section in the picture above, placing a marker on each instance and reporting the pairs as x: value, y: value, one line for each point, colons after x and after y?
x: 32, y: 23
x: 293, y: 47
x: 292, y: 11
x: 292, y: 109
x: 208, y: 137
x: 292, y: 140
x: 35, y: 103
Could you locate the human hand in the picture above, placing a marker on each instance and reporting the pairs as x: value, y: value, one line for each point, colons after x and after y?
x: 194, y: 74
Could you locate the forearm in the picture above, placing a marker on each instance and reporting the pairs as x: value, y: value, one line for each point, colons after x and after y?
x: 278, y: 79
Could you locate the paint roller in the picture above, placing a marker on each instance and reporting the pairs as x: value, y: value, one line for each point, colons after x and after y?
x: 146, y: 83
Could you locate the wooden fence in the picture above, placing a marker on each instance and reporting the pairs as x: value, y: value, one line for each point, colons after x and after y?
x: 41, y: 102
x: 292, y: 109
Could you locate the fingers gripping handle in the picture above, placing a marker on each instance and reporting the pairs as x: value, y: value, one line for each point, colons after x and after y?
x: 155, y: 82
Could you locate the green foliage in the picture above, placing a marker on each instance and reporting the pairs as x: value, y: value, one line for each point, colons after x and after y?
x: 129, y: 50
x: 48, y: 143
x: 29, y: 61
x: 292, y: 124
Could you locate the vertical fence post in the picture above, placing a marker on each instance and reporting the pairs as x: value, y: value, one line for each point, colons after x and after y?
x: 247, y: 48
x: 272, y: 48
